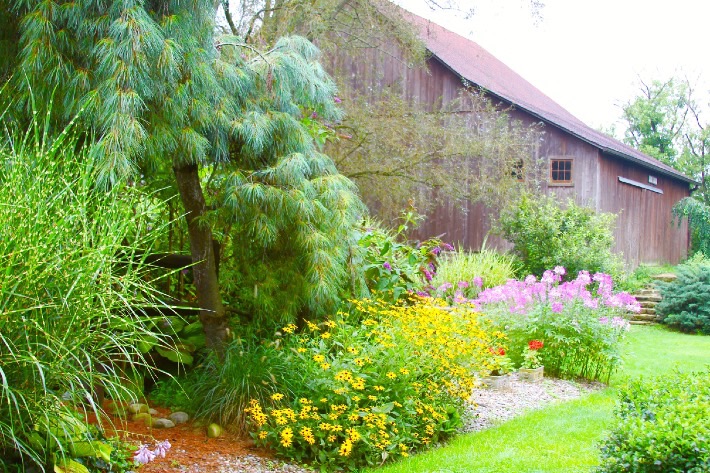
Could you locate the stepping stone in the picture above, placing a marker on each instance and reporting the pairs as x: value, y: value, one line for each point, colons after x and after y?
x: 138, y: 408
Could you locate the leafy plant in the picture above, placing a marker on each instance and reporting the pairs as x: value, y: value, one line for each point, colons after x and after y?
x: 250, y: 370
x: 661, y: 426
x: 686, y: 300
x: 377, y: 383
x: 72, y: 297
x: 531, y: 356
x: 544, y: 235
x: 466, y: 272
x: 581, y: 326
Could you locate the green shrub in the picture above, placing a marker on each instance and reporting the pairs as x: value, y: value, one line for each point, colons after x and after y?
x: 377, y: 384
x: 544, y: 235
x: 686, y: 301
x: 70, y: 299
x: 661, y: 426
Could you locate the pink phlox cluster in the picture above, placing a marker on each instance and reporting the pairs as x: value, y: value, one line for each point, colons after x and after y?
x: 522, y: 296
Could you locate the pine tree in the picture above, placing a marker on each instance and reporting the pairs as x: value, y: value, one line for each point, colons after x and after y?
x: 162, y: 95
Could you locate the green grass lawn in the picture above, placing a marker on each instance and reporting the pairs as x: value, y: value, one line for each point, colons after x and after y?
x: 562, y: 438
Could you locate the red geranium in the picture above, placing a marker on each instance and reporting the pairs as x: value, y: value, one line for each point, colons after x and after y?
x: 535, y: 345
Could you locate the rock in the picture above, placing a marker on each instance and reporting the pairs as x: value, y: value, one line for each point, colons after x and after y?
x: 118, y: 411
x: 153, y: 412
x: 145, y: 417
x: 214, y: 431
x: 138, y: 408
x: 163, y: 424
x: 179, y: 417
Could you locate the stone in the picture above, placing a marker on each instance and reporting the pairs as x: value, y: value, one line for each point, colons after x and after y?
x: 214, y: 431
x: 163, y: 424
x: 665, y: 277
x: 143, y: 416
x: 153, y: 412
x: 179, y: 417
x: 138, y: 408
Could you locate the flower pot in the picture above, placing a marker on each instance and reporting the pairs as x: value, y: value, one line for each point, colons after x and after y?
x: 498, y: 383
x: 533, y: 375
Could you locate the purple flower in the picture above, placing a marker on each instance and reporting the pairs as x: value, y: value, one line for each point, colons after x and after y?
x: 548, y: 277
x: 428, y: 275
x: 560, y: 271
x: 144, y: 455
x: 444, y: 287
x: 603, y: 320
x: 314, y: 115
x: 478, y: 281
x: 337, y: 99
x: 463, y: 284
x: 423, y: 294
x: 387, y: 266
x: 557, y: 307
x: 447, y: 247
x: 162, y: 448
x: 436, y: 250
x: 530, y: 280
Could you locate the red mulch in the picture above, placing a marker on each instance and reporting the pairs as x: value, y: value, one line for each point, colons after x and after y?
x: 191, y: 449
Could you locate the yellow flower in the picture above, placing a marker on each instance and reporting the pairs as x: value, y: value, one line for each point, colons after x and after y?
x: 286, y: 437
x: 329, y: 323
x: 325, y: 335
x: 290, y: 328
x: 277, y: 396
x: 312, y: 326
x: 391, y: 375
x: 301, y: 350
x: 318, y: 358
x: 263, y: 434
x: 346, y: 448
x: 307, y: 435
x: 331, y: 438
x: 325, y: 366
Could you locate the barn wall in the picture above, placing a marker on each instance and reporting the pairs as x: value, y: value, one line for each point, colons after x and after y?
x: 644, y: 233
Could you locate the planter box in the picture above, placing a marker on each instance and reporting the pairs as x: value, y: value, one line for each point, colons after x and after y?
x: 531, y: 375
x: 498, y: 383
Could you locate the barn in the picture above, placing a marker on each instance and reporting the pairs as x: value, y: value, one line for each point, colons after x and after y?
x: 582, y: 163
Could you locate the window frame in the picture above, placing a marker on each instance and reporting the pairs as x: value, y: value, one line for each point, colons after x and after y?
x: 561, y: 183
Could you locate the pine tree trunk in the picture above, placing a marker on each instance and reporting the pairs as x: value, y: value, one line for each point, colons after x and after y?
x: 204, y: 269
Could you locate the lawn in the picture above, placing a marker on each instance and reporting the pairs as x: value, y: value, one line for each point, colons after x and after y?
x: 562, y: 438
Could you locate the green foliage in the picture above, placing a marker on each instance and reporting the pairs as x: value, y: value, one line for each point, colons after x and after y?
x: 545, y: 235
x: 72, y: 297
x: 492, y: 267
x: 698, y: 215
x: 376, y: 384
x: 686, y: 301
x: 222, y: 389
x: 641, y: 277
x: 390, y: 266
x: 661, y: 426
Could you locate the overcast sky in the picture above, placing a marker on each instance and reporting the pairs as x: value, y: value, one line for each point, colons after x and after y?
x: 587, y: 54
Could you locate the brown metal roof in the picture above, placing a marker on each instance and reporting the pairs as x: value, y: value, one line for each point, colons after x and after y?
x: 473, y: 63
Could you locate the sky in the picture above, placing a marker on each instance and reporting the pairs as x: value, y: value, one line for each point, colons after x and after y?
x: 588, y: 55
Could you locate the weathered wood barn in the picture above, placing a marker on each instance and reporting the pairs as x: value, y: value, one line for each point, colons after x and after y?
x: 582, y: 163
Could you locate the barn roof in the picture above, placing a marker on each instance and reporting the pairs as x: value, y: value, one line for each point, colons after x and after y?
x: 476, y: 65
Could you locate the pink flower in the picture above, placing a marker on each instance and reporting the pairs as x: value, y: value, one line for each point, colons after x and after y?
x: 387, y: 266
x: 530, y: 280
x: 445, y: 287
x: 162, y: 448
x: 447, y: 247
x: 557, y: 307
x: 144, y: 455
x: 337, y: 99
x: 463, y: 284
x: 560, y: 270
x: 478, y: 281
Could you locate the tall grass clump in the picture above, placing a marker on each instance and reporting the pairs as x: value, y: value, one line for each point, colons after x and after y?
x: 469, y: 272
x: 71, y: 299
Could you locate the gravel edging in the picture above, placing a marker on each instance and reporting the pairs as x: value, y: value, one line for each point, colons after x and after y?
x: 488, y: 407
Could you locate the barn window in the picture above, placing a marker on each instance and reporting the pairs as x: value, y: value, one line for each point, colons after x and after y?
x: 561, y: 171
x: 517, y: 170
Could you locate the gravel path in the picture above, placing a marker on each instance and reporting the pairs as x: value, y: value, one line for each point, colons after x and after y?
x: 487, y: 408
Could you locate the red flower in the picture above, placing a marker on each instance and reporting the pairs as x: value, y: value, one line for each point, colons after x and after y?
x: 535, y: 345
x: 501, y: 351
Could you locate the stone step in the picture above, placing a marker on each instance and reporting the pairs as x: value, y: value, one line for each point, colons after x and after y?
x: 655, y: 298
x: 642, y: 322
x: 666, y: 277
x: 647, y: 317
x: 647, y: 311
x: 647, y: 292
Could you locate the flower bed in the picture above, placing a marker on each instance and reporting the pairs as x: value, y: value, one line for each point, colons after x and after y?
x: 378, y: 383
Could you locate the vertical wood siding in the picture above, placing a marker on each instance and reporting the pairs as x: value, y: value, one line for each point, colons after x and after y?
x: 644, y: 232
